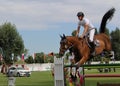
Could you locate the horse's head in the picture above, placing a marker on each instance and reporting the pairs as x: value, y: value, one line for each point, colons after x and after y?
x: 65, y: 44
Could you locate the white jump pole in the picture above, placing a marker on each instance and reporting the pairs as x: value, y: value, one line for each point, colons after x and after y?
x: 58, y: 71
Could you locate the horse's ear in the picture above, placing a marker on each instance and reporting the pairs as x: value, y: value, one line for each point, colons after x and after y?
x: 64, y: 36
x: 61, y: 36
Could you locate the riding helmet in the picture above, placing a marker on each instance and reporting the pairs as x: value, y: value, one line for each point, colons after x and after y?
x: 80, y: 14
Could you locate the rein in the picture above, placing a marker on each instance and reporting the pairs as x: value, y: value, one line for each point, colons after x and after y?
x: 86, y: 39
x: 71, y: 46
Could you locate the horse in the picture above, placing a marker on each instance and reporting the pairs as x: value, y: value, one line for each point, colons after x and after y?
x: 80, y: 47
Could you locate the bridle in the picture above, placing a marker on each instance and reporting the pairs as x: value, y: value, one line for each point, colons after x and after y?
x: 66, y: 46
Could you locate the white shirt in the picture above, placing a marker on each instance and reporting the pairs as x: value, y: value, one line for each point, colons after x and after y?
x: 85, y: 21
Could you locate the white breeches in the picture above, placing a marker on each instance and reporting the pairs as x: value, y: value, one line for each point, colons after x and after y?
x: 91, y: 35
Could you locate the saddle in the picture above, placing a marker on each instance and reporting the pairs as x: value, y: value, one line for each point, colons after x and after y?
x: 96, y: 41
x: 92, y: 45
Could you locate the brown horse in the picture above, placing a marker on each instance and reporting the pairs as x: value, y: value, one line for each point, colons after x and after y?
x: 80, y: 46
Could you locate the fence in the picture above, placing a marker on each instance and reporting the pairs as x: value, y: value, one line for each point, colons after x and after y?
x: 59, y: 71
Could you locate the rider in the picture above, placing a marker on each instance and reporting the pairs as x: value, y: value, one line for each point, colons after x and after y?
x: 88, y: 28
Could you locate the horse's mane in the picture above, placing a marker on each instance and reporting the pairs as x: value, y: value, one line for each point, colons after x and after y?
x: 74, y: 38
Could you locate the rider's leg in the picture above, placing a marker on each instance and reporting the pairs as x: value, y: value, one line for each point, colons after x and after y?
x: 91, y: 33
x: 91, y: 41
x: 92, y: 45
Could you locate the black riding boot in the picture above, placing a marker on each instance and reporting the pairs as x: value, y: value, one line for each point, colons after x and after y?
x: 92, y: 47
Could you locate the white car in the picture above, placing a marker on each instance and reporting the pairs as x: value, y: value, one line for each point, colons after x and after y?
x: 18, y: 71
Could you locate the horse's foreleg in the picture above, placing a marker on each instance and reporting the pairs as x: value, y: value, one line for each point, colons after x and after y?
x: 82, y: 61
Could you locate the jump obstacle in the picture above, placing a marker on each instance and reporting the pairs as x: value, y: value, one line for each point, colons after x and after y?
x: 59, y: 79
x: 58, y: 71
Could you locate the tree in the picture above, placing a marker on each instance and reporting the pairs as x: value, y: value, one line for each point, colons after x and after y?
x: 107, y: 31
x: 39, y: 58
x: 115, y: 38
x: 11, y: 42
x: 29, y: 60
x: 49, y: 59
x: 73, y: 33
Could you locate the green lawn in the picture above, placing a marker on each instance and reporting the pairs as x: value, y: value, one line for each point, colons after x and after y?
x: 46, y: 79
x: 93, y: 81
x: 36, y: 79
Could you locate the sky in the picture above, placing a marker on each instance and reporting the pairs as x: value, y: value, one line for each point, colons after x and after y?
x: 41, y: 22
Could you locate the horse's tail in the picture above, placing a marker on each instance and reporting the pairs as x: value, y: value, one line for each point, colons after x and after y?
x: 108, y: 15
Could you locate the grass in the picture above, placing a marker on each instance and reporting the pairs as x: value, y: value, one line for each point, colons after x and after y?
x: 36, y: 79
x: 3, y: 80
x: 93, y: 81
x: 46, y: 79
